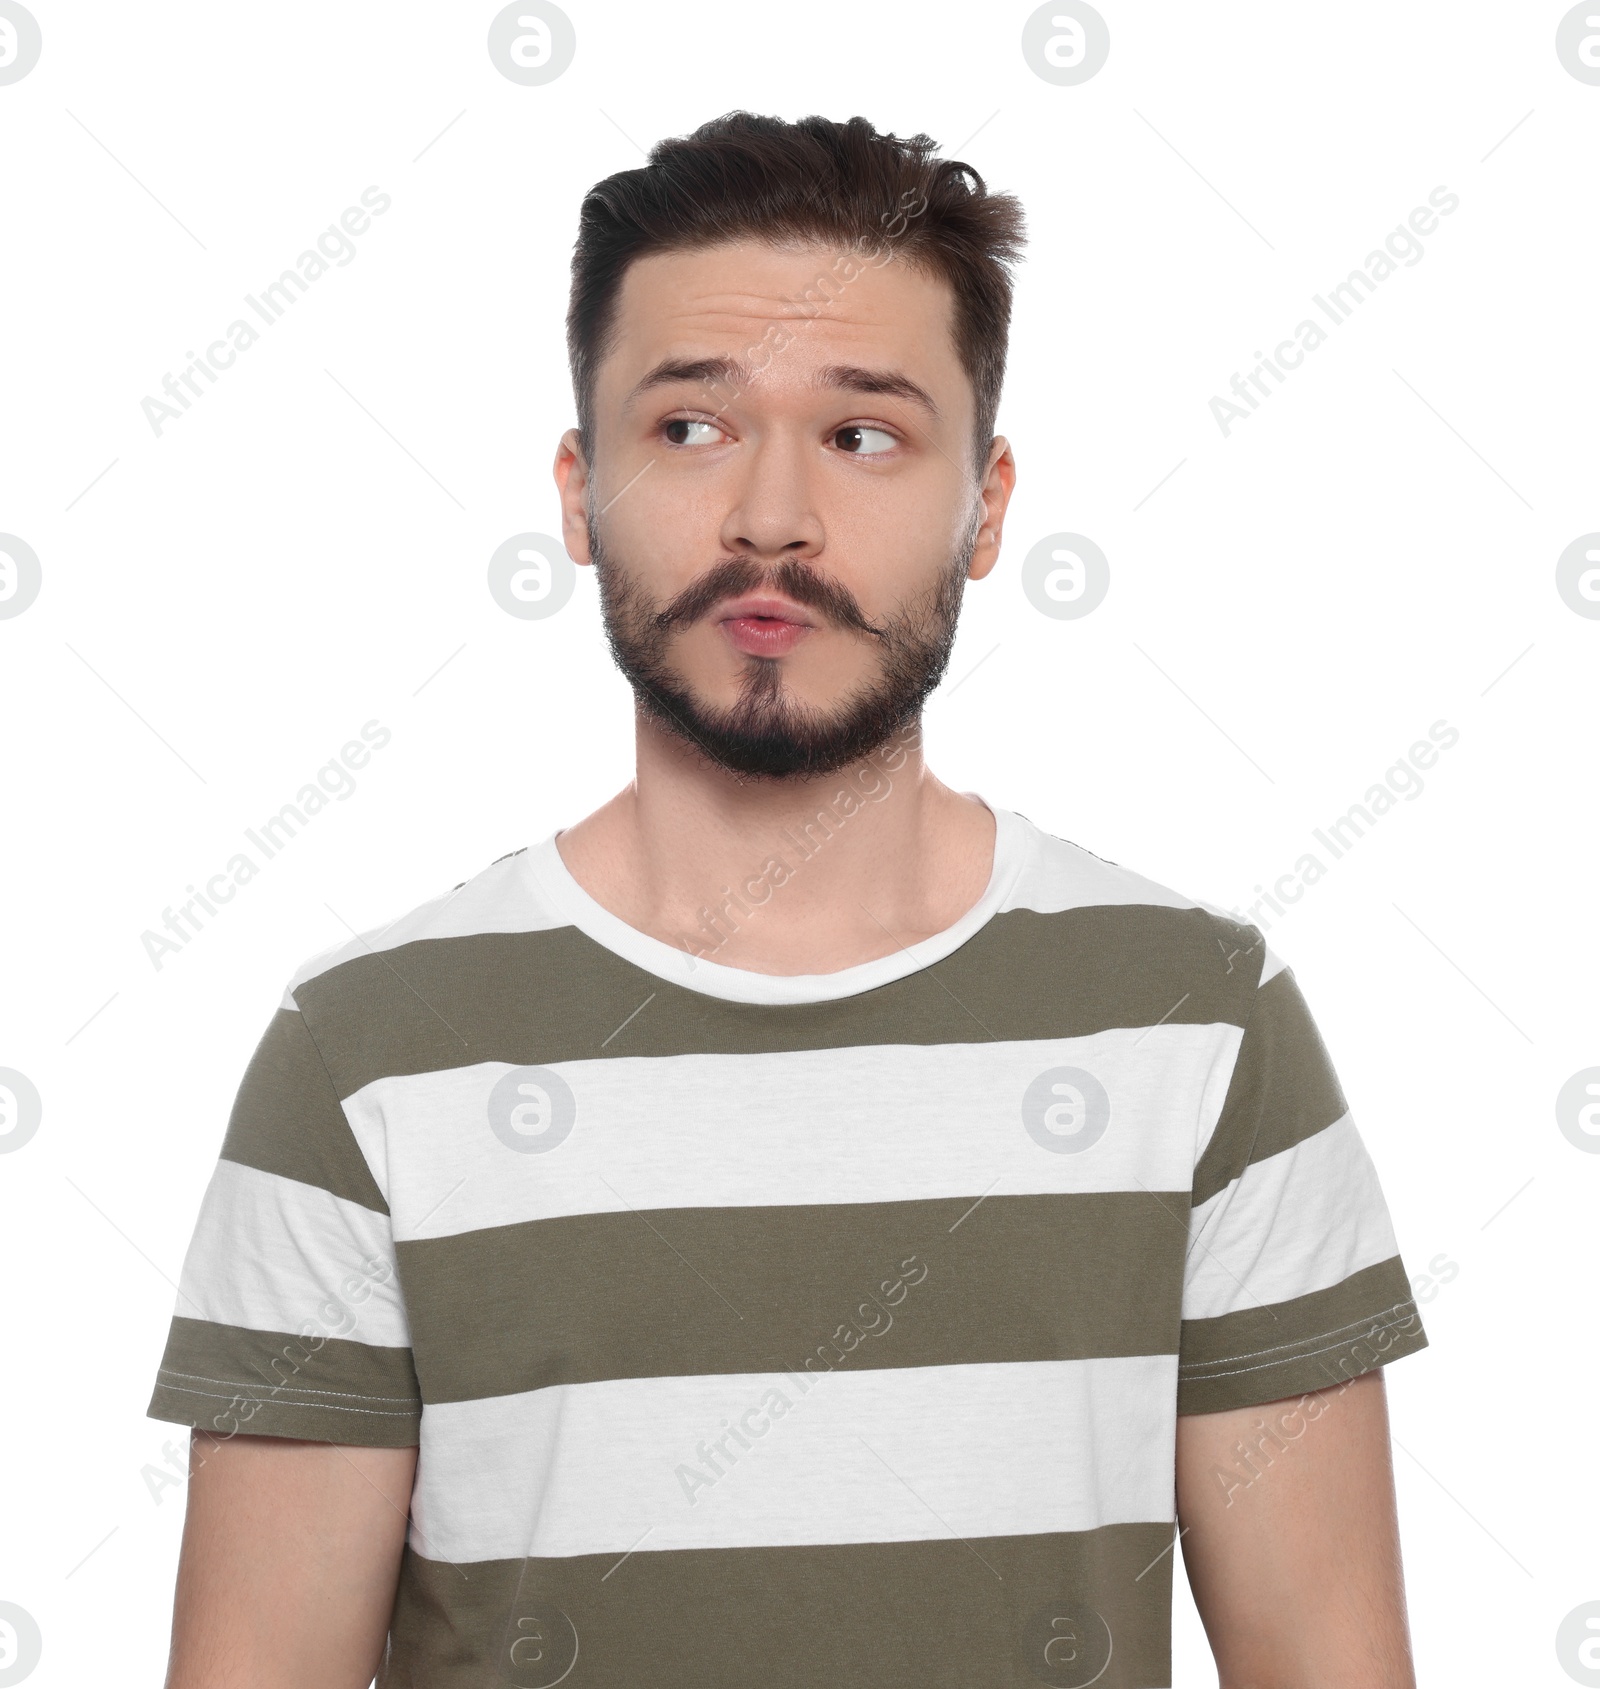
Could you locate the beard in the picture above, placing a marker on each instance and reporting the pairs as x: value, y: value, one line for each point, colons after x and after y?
x: 767, y: 733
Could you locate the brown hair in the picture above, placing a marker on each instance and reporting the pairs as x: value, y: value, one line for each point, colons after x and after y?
x: 743, y: 177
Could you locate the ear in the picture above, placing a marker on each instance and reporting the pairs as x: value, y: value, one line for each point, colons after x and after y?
x: 999, y: 479
x: 571, y: 471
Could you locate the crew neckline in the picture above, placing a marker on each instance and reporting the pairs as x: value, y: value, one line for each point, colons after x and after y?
x: 743, y: 985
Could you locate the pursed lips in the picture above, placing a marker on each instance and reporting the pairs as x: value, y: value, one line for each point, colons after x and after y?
x: 760, y: 625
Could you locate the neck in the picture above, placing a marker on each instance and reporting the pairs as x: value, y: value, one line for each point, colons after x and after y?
x: 801, y: 875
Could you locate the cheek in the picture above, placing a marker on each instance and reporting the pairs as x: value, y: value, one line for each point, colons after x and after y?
x: 664, y: 534
x: 892, y: 547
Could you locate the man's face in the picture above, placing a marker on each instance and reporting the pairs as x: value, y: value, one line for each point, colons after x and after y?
x: 780, y: 499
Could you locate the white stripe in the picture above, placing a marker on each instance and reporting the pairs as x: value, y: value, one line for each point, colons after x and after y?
x: 879, y: 1123
x: 1063, y: 875
x: 272, y: 1254
x: 501, y: 898
x: 886, y: 1455
x: 1301, y: 1220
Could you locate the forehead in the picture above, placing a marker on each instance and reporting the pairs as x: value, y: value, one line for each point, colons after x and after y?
x: 745, y: 300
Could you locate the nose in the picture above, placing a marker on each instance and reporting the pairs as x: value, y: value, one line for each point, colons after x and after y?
x: 773, y: 515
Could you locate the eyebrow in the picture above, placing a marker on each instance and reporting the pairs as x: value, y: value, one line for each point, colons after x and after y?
x: 728, y: 373
x: 852, y: 378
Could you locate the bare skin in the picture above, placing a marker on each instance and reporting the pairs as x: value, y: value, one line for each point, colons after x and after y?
x: 291, y: 1554
x: 1296, y: 1569
x: 291, y: 1550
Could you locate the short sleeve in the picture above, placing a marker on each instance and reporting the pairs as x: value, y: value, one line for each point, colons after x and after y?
x: 1294, y: 1280
x: 290, y: 1320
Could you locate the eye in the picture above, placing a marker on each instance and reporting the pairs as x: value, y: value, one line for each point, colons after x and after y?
x: 861, y: 441
x: 681, y: 431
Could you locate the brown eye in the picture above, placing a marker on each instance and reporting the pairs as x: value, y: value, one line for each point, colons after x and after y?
x: 863, y: 442
x: 678, y: 430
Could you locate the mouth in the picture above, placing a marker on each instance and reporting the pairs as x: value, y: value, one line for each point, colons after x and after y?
x: 763, y: 625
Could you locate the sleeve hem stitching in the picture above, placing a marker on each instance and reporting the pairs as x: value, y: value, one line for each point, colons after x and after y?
x: 305, y: 1407
x: 1262, y: 1366
x: 274, y: 1389
x: 1250, y: 1354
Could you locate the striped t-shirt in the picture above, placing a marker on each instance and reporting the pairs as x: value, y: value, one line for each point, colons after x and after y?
x: 792, y: 1330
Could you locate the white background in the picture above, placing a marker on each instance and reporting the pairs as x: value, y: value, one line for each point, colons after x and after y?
x: 1372, y: 551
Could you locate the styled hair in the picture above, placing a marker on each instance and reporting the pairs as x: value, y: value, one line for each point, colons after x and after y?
x: 747, y: 177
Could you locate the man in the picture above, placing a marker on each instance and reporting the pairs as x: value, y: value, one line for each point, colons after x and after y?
x: 801, y: 1224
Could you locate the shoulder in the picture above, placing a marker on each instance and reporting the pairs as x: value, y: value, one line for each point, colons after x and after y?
x: 501, y: 898
x: 1142, y: 921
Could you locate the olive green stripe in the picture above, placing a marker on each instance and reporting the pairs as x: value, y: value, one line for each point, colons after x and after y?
x: 934, y: 1614
x: 1283, y: 1089
x: 820, y: 1287
x: 286, y: 1118
x: 227, y: 1378
x: 534, y: 998
x: 1307, y: 1343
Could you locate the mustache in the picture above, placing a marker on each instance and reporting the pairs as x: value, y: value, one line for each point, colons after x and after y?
x: 736, y: 576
